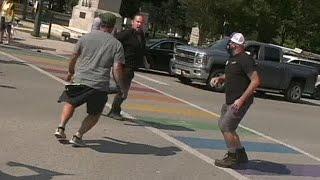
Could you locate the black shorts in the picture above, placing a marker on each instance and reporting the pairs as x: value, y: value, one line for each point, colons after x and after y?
x: 80, y: 94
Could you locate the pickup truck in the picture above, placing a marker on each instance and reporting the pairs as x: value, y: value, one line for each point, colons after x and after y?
x: 202, y: 64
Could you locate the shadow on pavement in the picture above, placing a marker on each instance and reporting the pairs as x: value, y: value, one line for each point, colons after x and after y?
x: 260, y: 167
x: 11, y: 62
x: 28, y: 46
x: 18, y: 39
x: 156, y: 72
x: 111, y: 145
x: 6, y: 86
x: 267, y: 168
x: 158, y: 125
x: 42, y: 174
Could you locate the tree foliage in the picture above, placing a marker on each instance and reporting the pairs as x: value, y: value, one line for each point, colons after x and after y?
x: 292, y: 23
x: 129, y: 8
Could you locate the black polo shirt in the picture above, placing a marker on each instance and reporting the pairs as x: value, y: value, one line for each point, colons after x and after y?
x: 134, y: 44
x: 237, y: 72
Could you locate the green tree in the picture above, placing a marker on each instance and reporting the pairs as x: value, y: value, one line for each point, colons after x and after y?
x: 129, y: 8
x: 166, y: 15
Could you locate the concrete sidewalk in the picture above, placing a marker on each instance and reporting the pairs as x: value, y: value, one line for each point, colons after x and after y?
x: 24, y: 40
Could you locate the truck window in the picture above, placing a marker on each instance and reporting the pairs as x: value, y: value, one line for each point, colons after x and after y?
x: 312, y: 64
x: 165, y: 46
x: 295, y: 61
x: 272, y: 54
x: 253, y: 51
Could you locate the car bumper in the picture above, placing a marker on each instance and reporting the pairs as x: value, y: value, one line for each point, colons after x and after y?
x: 191, y: 72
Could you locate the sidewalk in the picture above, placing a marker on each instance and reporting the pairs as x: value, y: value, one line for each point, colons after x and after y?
x: 23, y: 39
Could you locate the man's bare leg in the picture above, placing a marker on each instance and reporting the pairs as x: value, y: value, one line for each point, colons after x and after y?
x: 232, y: 140
x: 67, y: 113
x: 87, y: 124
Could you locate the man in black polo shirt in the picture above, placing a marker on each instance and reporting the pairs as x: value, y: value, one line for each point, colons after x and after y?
x: 133, y: 41
x: 241, y: 79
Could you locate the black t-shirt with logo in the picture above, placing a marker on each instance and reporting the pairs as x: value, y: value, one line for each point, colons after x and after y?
x: 237, y: 72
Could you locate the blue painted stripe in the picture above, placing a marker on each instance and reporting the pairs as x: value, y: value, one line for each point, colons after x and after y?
x: 217, y: 144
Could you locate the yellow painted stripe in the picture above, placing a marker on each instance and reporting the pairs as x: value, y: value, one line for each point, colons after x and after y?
x: 154, y: 98
x: 185, y: 112
x: 41, y: 60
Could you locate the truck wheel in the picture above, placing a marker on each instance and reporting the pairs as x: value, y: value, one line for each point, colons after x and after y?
x: 316, y: 94
x: 146, y: 63
x: 216, y: 73
x: 294, y: 92
x: 184, y: 80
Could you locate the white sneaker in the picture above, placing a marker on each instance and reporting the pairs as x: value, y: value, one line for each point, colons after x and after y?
x: 60, y: 133
x: 77, y: 142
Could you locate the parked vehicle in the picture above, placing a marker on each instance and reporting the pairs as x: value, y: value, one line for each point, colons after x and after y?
x: 308, y: 62
x: 159, y: 53
x: 202, y: 64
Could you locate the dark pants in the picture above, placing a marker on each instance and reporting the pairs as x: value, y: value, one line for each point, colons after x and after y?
x: 121, y: 96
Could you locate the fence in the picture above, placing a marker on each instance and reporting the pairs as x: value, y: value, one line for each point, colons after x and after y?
x: 57, y: 18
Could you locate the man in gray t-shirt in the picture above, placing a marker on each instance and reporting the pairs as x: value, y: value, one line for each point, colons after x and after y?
x: 94, y: 55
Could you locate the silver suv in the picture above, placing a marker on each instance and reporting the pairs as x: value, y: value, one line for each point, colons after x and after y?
x: 308, y: 62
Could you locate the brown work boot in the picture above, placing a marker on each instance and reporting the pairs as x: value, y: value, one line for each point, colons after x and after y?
x: 242, y: 155
x: 229, y: 161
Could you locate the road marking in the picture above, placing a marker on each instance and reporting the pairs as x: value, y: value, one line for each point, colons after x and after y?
x: 187, y: 148
x: 181, y: 111
x: 244, y: 127
x: 175, y: 141
x: 178, y: 143
x: 152, y: 80
x: 35, y: 67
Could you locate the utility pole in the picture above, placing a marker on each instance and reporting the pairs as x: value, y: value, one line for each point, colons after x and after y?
x: 37, y: 20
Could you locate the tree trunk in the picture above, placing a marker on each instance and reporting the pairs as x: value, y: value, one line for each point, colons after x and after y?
x: 37, y: 21
x: 24, y: 11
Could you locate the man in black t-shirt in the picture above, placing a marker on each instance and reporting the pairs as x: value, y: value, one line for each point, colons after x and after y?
x: 241, y: 79
x: 133, y: 42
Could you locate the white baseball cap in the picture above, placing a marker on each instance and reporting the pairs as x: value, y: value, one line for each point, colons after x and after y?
x: 237, y: 38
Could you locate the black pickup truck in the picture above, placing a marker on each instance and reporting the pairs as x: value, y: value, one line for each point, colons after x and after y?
x: 202, y: 64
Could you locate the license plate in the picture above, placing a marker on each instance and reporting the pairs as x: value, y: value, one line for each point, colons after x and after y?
x: 178, y: 71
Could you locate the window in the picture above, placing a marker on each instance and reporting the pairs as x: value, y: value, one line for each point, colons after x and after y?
x: 307, y: 63
x: 165, y: 46
x: 295, y: 61
x: 272, y: 54
x: 253, y: 51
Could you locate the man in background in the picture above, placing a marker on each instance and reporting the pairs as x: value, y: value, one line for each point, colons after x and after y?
x: 133, y: 41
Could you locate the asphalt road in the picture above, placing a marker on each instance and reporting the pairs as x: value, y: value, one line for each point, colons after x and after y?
x: 171, y: 131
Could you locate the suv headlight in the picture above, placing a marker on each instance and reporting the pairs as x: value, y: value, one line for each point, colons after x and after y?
x: 201, y: 59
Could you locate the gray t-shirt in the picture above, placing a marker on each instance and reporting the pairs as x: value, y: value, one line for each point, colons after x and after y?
x: 99, y: 51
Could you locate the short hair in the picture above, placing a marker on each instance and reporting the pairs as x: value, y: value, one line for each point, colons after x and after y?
x: 108, y: 20
x: 138, y: 14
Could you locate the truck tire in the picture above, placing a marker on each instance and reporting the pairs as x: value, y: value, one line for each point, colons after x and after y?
x: 146, y: 63
x: 213, y: 74
x: 316, y: 94
x: 294, y: 92
x: 184, y: 80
